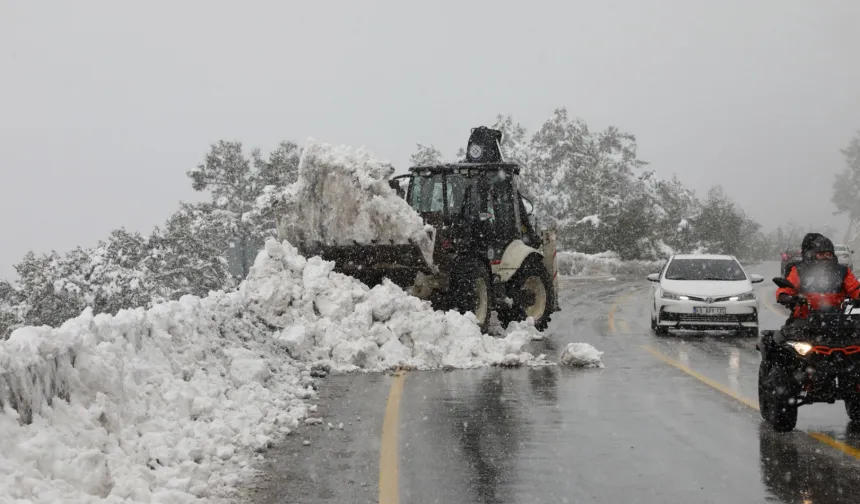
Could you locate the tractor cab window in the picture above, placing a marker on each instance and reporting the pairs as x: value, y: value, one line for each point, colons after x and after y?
x: 503, y: 206
x: 462, y: 194
x: 427, y: 193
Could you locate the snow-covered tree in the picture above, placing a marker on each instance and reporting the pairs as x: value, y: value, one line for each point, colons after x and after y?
x: 515, y: 141
x: 846, y: 186
x: 187, y: 255
x: 575, y: 173
x: 10, y: 309
x: 425, y: 155
x: 281, y: 168
x: 678, y: 208
x: 235, y: 182
x: 722, y: 226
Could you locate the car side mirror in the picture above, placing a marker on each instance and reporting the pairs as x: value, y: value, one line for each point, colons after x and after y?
x: 756, y: 279
x: 653, y: 277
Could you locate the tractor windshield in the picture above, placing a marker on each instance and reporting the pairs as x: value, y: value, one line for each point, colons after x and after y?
x: 460, y: 194
x: 427, y: 193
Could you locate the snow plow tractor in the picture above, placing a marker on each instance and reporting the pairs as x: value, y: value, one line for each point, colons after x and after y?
x: 486, y: 253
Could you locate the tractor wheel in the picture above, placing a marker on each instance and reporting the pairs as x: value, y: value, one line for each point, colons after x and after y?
x: 471, y: 291
x: 532, y: 293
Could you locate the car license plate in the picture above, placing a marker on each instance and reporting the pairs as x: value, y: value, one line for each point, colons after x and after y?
x: 708, y: 310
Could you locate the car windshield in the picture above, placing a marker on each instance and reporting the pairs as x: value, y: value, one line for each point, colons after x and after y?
x: 705, y: 269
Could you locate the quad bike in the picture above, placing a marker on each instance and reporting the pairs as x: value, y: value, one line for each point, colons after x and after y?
x: 808, y: 361
x: 487, y: 254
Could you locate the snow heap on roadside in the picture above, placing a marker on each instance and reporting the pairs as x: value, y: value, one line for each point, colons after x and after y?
x: 170, y: 404
x: 602, y: 264
x: 342, y: 195
x: 338, y: 321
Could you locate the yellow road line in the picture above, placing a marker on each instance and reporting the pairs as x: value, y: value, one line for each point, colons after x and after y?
x: 621, y: 299
x: 818, y: 436
x: 388, y: 460
x: 839, y: 445
x: 719, y: 386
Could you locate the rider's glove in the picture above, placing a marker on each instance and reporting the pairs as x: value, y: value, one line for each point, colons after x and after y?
x: 787, y: 299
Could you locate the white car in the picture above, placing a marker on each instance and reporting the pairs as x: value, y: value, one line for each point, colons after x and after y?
x: 844, y: 255
x: 704, y: 292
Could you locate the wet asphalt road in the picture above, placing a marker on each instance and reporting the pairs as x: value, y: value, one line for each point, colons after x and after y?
x: 641, y: 430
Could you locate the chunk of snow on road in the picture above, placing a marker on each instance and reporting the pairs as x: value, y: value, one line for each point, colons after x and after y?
x: 171, y: 404
x: 342, y: 195
x: 581, y: 355
x: 594, y: 220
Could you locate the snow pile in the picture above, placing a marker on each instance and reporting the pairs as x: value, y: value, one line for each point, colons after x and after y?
x: 337, y: 321
x: 603, y: 264
x: 342, y: 196
x: 165, y: 405
x: 581, y: 355
x: 171, y: 403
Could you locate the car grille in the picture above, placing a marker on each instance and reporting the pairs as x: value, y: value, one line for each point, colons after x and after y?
x: 705, y: 300
x: 692, y: 318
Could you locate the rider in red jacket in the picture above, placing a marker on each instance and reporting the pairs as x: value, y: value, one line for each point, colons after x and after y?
x: 820, y: 278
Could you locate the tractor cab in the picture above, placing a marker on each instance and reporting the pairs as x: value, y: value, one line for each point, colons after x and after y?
x: 475, y: 205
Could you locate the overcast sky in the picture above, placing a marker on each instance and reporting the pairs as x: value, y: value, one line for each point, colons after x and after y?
x: 104, y: 105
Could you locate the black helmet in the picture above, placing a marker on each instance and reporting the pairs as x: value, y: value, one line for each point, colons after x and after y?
x: 819, y: 244
x: 807, y: 241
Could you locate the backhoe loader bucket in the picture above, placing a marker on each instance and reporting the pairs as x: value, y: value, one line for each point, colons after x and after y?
x: 372, y: 262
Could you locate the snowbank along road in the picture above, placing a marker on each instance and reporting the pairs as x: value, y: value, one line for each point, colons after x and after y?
x: 668, y: 420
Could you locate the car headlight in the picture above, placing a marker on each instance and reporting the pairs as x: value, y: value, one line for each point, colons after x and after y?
x: 671, y: 295
x: 746, y: 296
x: 801, y: 347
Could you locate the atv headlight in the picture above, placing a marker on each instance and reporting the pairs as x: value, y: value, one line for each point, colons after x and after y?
x: 800, y: 347
x: 671, y: 295
x: 746, y: 296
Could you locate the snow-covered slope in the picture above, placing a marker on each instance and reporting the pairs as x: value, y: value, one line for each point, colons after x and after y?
x: 171, y: 404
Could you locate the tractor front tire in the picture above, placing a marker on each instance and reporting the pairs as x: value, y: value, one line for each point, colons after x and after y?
x: 471, y: 291
x: 531, y: 287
